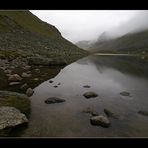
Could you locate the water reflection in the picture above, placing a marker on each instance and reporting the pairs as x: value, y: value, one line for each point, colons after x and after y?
x: 107, y: 76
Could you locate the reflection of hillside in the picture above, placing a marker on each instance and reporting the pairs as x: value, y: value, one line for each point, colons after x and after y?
x: 124, y: 64
x: 83, y: 61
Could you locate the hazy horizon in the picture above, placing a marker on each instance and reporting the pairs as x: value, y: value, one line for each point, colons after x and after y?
x: 79, y: 25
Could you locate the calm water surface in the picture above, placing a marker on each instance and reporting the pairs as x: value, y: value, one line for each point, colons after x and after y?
x: 107, y: 76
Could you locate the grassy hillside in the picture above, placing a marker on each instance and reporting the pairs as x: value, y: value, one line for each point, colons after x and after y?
x: 129, y: 43
x: 22, y: 34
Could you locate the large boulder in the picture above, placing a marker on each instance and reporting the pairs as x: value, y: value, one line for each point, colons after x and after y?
x: 90, y: 94
x: 100, y: 121
x: 14, y: 78
x: 11, y: 117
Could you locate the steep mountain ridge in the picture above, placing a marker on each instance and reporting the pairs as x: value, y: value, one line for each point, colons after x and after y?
x: 22, y: 34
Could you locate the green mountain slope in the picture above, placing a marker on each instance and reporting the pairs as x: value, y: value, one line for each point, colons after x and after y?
x: 22, y: 34
x: 129, y: 43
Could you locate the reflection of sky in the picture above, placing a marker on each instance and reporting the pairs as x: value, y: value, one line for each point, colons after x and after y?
x: 107, y: 82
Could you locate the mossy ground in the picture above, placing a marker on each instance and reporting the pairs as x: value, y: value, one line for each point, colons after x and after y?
x: 18, y: 101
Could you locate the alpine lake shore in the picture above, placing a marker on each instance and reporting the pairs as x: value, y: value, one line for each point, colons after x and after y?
x: 18, y: 79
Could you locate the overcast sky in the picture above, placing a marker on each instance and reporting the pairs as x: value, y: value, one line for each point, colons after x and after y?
x: 77, y: 25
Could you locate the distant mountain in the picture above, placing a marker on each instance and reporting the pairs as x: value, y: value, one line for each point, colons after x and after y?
x: 22, y: 34
x: 129, y: 43
x: 84, y: 44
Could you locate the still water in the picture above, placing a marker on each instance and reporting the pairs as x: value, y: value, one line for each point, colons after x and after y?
x: 107, y: 76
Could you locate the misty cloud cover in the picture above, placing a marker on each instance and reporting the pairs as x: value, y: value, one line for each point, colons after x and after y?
x: 78, y: 25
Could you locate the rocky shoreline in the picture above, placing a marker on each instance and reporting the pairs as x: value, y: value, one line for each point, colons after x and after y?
x: 19, y: 77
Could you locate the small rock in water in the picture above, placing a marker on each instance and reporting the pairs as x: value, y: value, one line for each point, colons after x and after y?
x: 59, y: 83
x: 143, y: 112
x: 100, y: 121
x: 50, y: 81
x: 29, y: 92
x: 54, y: 100
x: 24, y: 86
x: 86, y: 86
x: 125, y: 93
x: 55, y: 86
x: 14, y: 83
x: 90, y: 95
x: 110, y: 114
x: 14, y: 78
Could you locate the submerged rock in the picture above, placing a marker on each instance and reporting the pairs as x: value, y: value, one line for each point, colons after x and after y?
x: 90, y: 111
x: 110, y: 114
x: 90, y: 95
x: 54, y: 100
x: 11, y: 117
x: 55, y: 86
x: 14, y: 78
x: 100, y: 121
x: 125, y: 93
x: 29, y: 92
x: 143, y: 112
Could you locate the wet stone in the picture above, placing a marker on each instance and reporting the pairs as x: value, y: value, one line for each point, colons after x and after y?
x: 54, y: 100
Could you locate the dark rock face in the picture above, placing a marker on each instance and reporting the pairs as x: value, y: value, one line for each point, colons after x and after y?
x: 143, y: 112
x: 54, y: 100
x: 100, y: 121
x: 89, y: 95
